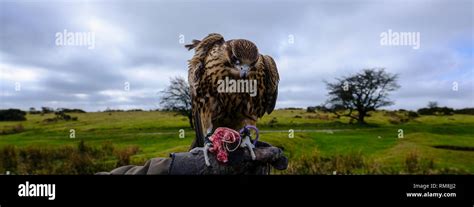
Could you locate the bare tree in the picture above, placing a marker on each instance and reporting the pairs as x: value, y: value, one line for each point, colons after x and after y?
x: 432, y: 104
x: 362, y: 92
x: 177, y: 97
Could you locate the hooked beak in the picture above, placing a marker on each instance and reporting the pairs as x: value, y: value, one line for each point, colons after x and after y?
x: 244, y: 69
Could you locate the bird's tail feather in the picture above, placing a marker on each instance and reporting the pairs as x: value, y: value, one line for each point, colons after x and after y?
x: 199, y: 140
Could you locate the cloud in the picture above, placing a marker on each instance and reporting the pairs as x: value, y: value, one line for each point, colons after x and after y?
x: 311, y: 42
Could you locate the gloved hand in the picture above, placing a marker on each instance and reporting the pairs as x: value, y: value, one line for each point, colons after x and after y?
x: 192, y: 163
x: 239, y: 161
x: 265, y: 153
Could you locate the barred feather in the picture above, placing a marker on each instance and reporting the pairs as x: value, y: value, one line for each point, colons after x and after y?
x: 212, y: 62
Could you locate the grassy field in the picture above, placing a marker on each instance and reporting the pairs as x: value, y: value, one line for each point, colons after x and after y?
x: 322, y: 144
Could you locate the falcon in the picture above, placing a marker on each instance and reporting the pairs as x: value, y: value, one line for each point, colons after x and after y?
x: 237, y: 60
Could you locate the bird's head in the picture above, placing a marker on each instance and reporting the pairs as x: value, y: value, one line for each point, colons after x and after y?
x: 243, y: 55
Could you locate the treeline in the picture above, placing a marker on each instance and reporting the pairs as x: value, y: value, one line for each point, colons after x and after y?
x: 19, y: 115
x: 49, y: 110
x: 137, y: 110
x: 12, y: 115
x: 465, y: 111
x: 434, y: 109
x: 121, y: 110
x: 422, y: 111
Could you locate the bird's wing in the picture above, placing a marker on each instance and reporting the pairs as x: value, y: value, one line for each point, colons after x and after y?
x: 196, y: 71
x: 271, y: 80
x: 196, y: 64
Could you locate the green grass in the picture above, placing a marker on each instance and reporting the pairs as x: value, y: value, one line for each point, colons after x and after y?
x: 157, y: 134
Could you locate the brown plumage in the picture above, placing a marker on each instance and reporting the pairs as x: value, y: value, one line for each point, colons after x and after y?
x: 216, y: 59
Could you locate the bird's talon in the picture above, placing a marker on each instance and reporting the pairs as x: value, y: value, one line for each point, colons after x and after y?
x: 205, y: 151
x: 247, y: 143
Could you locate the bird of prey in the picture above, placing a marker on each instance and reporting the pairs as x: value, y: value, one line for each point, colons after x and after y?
x: 215, y: 60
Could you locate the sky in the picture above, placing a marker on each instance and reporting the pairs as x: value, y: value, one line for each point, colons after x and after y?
x: 139, y: 45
